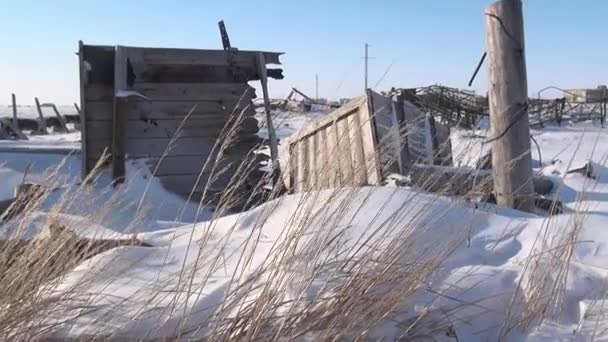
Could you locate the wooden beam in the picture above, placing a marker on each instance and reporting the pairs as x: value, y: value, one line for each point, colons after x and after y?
x: 274, y: 150
x: 508, y: 96
x: 41, y: 120
x: 84, y: 169
x: 62, y: 122
x: 119, y: 116
x: 224, y: 34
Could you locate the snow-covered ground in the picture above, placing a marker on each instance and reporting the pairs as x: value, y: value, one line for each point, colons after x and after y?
x: 482, y: 289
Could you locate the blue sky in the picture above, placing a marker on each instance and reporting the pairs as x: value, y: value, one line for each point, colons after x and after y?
x: 427, y: 42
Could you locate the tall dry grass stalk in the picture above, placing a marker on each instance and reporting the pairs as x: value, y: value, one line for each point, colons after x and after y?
x: 319, y: 280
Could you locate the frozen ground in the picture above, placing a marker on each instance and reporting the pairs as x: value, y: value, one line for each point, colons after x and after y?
x: 478, y: 283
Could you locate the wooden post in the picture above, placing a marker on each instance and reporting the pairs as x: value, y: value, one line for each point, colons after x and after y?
x: 224, y: 34
x: 15, y: 119
x: 41, y: 120
x: 508, y: 89
x: 62, y: 122
x: 274, y: 150
x: 119, y: 115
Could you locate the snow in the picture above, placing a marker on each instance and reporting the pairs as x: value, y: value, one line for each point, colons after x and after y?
x: 484, y: 284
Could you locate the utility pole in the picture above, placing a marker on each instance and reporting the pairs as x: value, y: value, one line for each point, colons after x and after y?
x: 366, y: 58
x: 317, y: 87
x: 366, y: 62
x: 508, y: 96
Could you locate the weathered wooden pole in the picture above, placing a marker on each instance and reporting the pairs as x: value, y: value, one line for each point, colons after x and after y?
x: 510, y: 130
x: 274, y: 149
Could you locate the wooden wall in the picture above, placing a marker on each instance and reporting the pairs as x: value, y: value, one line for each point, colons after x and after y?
x: 361, y: 143
x: 202, y: 91
x: 339, y: 150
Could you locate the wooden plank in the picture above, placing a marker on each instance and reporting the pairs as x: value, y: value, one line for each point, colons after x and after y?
x: 356, y: 149
x: 41, y: 120
x: 184, y: 184
x: 169, y: 110
x: 225, y: 92
x: 322, y: 161
x: 168, y: 128
x: 152, y: 147
x: 387, y: 134
x: 302, y: 169
x: 344, y: 157
x: 171, y: 73
x: 186, y: 165
x: 508, y: 96
x: 206, y: 57
x: 333, y: 172
x: 99, y: 92
x: 274, y: 149
x: 369, y: 142
x: 119, y: 117
x: 98, y: 64
x: 196, y: 91
x: 312, y: 162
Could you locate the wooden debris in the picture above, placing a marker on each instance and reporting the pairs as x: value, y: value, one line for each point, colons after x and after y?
x: 586, y: 170
x: 463, y: 181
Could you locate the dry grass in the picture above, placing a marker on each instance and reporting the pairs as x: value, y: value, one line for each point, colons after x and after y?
x: 319, y: 281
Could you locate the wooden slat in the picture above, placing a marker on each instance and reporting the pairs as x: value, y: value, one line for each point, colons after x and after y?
x: 167, y: 128
x: 119, y: 117
x: 206, y: 57
x: 86, y: 166
x: 99, y: 92
x: 184, y: 184
x: 148, y: 147
x: 101, y: 62
x: 172, y: 73
x: 167, y: 110
x: 185, y: 165
x: 196, y: 91
x: 369, y: 142
x: 302, y: 169
x: 312, y: 162
x: 333, y: 167
x: 322, y: 162
x: 357, y: 158
x: 344, y: 157
x: 387, y: 134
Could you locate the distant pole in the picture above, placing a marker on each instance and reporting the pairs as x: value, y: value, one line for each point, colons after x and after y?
x: 317, y: 87
x: 366, y: 62
x: 508, y: 97
x: 15, y: 119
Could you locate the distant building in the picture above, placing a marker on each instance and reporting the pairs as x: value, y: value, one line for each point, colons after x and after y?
x: 596, y: 95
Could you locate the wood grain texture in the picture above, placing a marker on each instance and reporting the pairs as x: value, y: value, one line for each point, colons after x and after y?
x: 508, y: 97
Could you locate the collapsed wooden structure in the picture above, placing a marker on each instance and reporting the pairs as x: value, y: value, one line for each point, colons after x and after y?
x: 362, y: 142
x: 169, y: 107
x: 17, y: 128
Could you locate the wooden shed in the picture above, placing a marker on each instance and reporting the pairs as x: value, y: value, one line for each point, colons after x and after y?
x: 361, y: 143
x: 135, y: 102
